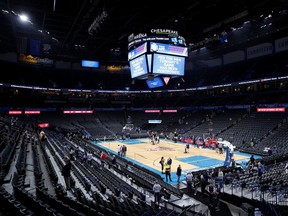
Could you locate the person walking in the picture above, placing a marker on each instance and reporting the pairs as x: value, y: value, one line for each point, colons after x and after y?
x: 178, y: 173
x: 66, y: 172
x: 114, y: 161
x: 103, y: 158
x: 156, y: 191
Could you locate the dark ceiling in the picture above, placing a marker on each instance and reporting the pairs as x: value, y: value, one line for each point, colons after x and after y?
x: 65, y: 24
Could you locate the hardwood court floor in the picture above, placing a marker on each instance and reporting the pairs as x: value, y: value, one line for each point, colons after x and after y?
x: 142, y: 151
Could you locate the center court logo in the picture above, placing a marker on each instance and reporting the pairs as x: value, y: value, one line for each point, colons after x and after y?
x: 161, y: 149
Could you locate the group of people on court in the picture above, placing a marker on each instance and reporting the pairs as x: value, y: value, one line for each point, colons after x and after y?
x: 166, y: 167
x: 121, y: 150
x: 210, y: 182
x: 154, y: 137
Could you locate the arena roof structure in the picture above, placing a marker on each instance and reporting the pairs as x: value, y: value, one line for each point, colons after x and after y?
x: 99, y: 29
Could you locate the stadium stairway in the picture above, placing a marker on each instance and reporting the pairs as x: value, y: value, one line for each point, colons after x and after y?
x: 224, y: 209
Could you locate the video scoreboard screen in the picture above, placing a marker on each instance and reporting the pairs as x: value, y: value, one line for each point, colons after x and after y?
x: 137, y: 51
x: 155, y: 83
x: 138, y: 66
x: 90, y: 64
x: 168, y: 49
x: 168, y: 65
x: 155, y: 56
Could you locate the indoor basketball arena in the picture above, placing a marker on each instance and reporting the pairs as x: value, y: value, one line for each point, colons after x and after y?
x: 117, y: 108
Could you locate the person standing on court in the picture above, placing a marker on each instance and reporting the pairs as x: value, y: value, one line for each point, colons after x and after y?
x: 162, y: 163
x: 124, y: 150
x: 119, y: 150
x: 169, y: 161
x: 167, y: 168
x: 187, y: 148
x: 178, y: 173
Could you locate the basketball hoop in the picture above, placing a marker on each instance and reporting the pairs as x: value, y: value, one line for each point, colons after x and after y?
x: 128, y: 127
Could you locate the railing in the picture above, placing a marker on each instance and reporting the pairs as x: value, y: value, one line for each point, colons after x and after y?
x: 256, y: 193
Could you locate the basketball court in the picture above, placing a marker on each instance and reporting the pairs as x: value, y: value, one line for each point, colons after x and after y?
x: 144, y: 153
